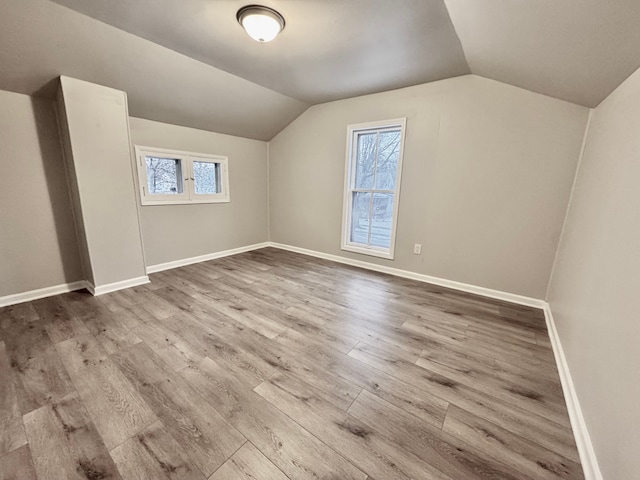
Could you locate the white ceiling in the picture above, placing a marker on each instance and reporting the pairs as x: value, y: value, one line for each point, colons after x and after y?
x: 188, y: 61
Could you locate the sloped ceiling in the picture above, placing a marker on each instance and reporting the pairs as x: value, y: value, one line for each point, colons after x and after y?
x: 575, y: 50
x: 40, y: 40
x: 329, y: 49
x: 188, y: 61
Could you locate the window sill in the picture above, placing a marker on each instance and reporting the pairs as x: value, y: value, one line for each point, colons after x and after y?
x: 372, y: 252
x: 146, y: 203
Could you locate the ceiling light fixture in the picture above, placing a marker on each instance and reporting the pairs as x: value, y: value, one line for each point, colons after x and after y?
x: 262, y: 24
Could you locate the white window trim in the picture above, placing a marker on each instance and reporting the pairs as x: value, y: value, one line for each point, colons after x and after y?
x: 188, y: 196
x: 349, y: 178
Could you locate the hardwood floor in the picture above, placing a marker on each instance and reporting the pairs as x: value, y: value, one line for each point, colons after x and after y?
x: 274, y: 365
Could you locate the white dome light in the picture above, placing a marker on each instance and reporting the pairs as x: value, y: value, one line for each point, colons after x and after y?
x: 262, y: 24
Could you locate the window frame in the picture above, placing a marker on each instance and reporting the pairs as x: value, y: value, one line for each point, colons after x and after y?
x: 188, y: 195
x: 349, y: 186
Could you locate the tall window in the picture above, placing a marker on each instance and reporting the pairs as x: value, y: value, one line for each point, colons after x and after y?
x: 169, y: 177
x: 372, y: 187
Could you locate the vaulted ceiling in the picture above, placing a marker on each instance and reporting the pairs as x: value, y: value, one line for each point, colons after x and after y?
x: 329, y: 49
x: 189, y: 62
x: 575, y: 50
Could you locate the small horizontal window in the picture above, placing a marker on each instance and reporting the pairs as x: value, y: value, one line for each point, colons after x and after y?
x: 170, y: 177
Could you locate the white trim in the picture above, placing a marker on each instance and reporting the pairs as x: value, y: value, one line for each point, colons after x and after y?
x: 585, y: 138
x: 112, y: 287
x: 41, y: 293
x: 586, y: 451
x: 370, y: 250
x: 349, y: 178
x: 203, y: 258
x: 22, y: 297
x: 188, y: 195
x: 464, y: 287
x: 581, y: 434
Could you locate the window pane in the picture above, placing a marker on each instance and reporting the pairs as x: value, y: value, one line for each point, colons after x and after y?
x: 365, y: 160
x: 164, y: 176
x: 205, y: 175
x: 382, y: 220
x: 388, y: 155
x: 360, y: 218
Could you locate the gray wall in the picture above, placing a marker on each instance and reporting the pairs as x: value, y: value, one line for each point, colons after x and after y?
x: 96, y: 134
x: 176, y: 232
x: 487, y: 174
x: 74, y: 192
x: 594, y: 291
x: 37, y: 237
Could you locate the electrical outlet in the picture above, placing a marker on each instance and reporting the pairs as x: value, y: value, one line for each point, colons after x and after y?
x: 417, y: 249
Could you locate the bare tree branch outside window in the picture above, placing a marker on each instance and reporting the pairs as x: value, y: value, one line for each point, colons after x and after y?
x: 376, y: 167
x: 164, y: 176
x: 205, y: 175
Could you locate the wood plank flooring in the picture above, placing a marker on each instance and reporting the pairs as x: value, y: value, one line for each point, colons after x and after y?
x: 272, y: 365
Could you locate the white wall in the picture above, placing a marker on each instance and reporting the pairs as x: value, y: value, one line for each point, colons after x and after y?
x: 37, y: 237
x: 177, y: 232
x: 594, y: 292
x: 487, y: 173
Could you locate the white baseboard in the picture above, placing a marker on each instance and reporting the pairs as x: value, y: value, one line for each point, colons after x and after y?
x: 583, y: 440
x: 41, y: 293
x: 112, y: 287
x: 581, y: 433
x: 464, y: 287
x: 203, y: 258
